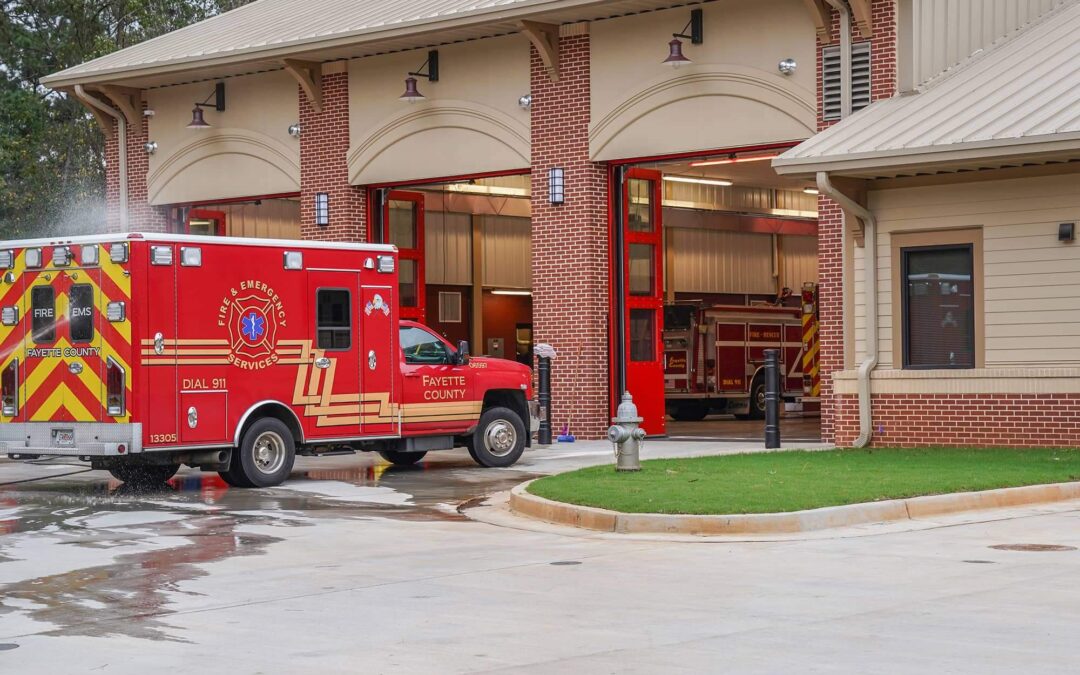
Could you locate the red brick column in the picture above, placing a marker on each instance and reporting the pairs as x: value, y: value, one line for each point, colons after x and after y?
x: 570, y: 243
x: 324, y: 146
x: 836, y: 414
x: 142, y: 217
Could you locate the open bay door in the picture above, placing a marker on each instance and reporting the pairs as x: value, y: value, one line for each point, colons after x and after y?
x: 403, y: 226
x: 643, y: 301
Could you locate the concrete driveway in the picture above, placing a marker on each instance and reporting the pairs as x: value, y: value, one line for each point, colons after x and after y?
x: 356, y: 567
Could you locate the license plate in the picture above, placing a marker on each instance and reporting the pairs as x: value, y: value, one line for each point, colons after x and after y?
x: 64, y: 438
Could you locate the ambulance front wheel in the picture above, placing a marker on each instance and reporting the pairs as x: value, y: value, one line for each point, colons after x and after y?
x: 265, y: 456
x: 499, y: 438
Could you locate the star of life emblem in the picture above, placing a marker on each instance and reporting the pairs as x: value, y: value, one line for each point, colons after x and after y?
x: 252, y: 326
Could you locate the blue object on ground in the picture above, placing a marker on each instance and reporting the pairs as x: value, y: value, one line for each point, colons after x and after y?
x: 566, y: 438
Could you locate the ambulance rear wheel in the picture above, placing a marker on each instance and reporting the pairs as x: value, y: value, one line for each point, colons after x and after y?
x: 265, y: 456
x: 148, y: 475
x: 499, y: 438
x: 398, y: 458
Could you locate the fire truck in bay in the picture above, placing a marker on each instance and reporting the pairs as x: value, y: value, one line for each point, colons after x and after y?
x: 143, y: 352
x: 714, y: 358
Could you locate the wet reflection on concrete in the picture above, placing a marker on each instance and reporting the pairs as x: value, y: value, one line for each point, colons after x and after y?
x: 157, y: 539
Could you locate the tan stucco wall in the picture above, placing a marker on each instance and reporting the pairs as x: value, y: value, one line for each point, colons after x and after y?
x: 470, y: 122
x: 246, y: 152
x: 732, y: 95
x: 1030, y: 304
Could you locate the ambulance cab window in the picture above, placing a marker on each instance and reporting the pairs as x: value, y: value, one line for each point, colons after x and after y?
x: 422, y: 347
x: 333, y: 319
x: 81, y: 299
x: 43, y: 314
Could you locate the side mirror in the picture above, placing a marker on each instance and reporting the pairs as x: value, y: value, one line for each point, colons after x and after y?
x: 462, y: 357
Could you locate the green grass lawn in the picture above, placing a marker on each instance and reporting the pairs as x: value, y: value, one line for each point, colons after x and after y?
x: 795, y: 480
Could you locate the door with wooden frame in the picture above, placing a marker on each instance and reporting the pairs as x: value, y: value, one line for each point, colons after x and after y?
x: 403, y: 226
x: 643, y: 280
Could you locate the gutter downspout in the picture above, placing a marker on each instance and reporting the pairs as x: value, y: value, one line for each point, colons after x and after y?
x: 841, y: 6
x: 825, y: 186
x: 121, y: 132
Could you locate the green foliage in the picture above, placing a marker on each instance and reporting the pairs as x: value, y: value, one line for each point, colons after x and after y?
x: 775, y: 482
x: 52, y: 171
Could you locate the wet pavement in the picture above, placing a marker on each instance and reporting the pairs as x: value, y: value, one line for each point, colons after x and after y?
x: 357, y: 566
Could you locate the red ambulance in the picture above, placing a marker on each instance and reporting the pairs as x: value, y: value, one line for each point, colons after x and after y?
x: 142, y: 352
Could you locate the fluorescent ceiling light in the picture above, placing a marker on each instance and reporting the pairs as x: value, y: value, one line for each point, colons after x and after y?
x: 699, y: 181
x: 493, y: 190
x: 733, y: 160
x: 508, y: 291
x: 810, y: 191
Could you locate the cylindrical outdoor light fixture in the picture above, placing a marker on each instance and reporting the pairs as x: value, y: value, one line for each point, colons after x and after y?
x: 556, y: 185
x: 322, y: 209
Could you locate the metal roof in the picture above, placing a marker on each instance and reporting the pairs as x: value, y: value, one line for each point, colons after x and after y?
x: 1015, y: 102
x: 256, y: 36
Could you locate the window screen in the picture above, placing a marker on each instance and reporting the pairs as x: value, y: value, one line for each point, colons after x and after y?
x: 81, y: 310
x: 642, y: 334
x: 334, y: 319
x: 449, y: 307
x: 43, y: 314
x: 939, y: 307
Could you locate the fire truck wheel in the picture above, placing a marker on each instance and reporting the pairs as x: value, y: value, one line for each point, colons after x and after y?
x: 499, y: 438
x: 265, y: 456
x: 153, y: 475
x: 690, y: 412
x: 398, y: 458
x: 757, y: 398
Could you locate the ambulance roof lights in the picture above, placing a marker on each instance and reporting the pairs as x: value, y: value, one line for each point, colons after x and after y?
x: 190, y: 256
x: 61, y: 256
x: 386, y: 264
x: 88, y: 255
x: 9, y: 316
x: 7, y: 259
x: 161, y: 255
x: 115, y: 312
x: 33, y: 257
x: 294, y: 260
x: 118, y: 252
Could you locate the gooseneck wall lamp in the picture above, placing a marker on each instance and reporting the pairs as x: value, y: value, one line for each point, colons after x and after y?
x: 197, y: 121
x: 696, y: 26
x: 412, y: 94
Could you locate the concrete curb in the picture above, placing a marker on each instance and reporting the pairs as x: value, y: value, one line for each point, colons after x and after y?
x: 602, y: 520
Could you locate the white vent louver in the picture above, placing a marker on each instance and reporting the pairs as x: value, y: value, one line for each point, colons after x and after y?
x: 860, y: 79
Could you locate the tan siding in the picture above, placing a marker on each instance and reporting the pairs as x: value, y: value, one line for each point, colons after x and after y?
x: 507, y: 252
x: 448, y: 248
x: 799, y: 257
x: 272, y: 219
x: 714, y: 261
x: 1031, y: 302
x: 948, y: 31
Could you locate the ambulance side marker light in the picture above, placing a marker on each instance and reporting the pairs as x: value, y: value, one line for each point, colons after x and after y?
x: 190, y: 256
x: 115, y: 383
x: 9, y: 316
x: 61, y: 256
x: 9, y: 389
x: 118, y: 252
x: 386, y: 264
x: 161, y: 255
x: 116, y: 312
x: 7, y: 259
x: 89, y: 255
x: 294, y: 260
x: 33, y: 257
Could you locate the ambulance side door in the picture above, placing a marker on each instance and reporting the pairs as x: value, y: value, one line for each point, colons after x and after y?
x: 438, y: 395
x: 159, y: 348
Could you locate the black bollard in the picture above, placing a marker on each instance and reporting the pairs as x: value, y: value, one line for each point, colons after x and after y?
x: 772, y: 398
x: 543, y: 396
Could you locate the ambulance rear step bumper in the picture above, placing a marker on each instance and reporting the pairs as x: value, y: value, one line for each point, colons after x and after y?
x: 91, y: 439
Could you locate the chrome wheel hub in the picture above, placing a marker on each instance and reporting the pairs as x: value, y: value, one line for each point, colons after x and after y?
x: 500, y: 438
x: 269, y: 452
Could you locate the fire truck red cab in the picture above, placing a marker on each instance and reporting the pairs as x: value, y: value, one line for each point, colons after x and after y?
x: 143, y: 352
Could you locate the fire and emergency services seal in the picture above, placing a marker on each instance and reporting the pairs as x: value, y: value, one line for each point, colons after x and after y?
x: 252, y: 314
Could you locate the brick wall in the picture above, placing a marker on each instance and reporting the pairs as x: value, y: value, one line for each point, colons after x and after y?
x: 830, y: 232
x: 142, y: 217
x: 980, y: 420
x: 324, y: 145
x: 570, y: 243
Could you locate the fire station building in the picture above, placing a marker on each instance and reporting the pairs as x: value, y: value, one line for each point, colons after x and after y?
x: 571, y: 172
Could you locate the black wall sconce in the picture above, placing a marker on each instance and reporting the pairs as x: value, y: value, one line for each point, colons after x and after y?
x: 1067, y: 232
x: 696, y: 36
x: 322, y: 209
x: 412, y: 94
x: 556, y: 185
x: 197, y: 121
